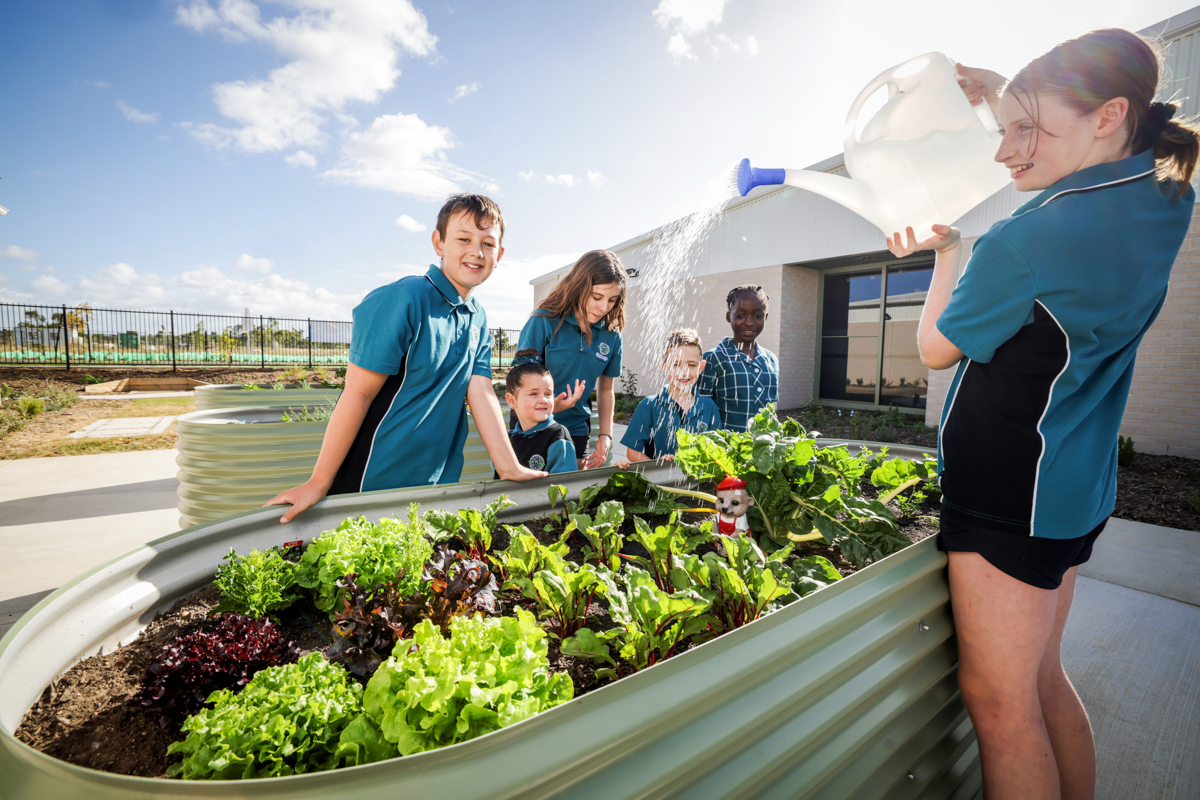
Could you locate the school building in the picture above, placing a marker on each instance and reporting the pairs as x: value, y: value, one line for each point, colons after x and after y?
x: 844, y: 311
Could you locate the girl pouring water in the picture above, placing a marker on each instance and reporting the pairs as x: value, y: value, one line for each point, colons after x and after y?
x: 1044, y: 326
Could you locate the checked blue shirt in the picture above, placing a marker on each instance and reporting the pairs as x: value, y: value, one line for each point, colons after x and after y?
x: 740, y: 386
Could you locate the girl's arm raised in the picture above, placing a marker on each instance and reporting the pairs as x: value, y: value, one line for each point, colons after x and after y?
x: 937, y: 352
x: 607, y: 400
x: 361, y: 387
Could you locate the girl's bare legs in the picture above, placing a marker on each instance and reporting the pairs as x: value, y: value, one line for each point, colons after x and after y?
x: 1066, y: 720
x: 1009, y: 635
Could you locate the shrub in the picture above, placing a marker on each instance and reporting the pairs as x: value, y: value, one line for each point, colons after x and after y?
x: 11, y: 420
x: 287, y: 721
x: 186, y: 671
x: 1126, y: 455
x: 30, y: 407
x: 89, y: 379
x: 58, y: 396
x: 390, y: 551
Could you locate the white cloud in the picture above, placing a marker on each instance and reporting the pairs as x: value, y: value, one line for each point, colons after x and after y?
x: 690, y: 16
x: 462, y: 91
x: 507, y: 295
x: 202, y: 290
x: 301, y: 158
x: 679, y: 49
x: 248, y: 263
x: 134, y: 115
x: 18, y: 253
x: 567, y: 179
x: 561, y: 180
x: 410, y: 224
x: 596, y: 179
x: 99, y: 84
x: 686, y: 19
x: 527, y: 176
x: 338, y: 53
x: 401, y: 153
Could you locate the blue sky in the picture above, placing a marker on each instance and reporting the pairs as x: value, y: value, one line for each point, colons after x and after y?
x: 290, y: 156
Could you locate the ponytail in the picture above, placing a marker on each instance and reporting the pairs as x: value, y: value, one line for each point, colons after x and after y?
x: 1176, y: 143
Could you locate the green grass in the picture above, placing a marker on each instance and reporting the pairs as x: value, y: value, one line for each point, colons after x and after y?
x: 85, y: 447
x: 151, y: 407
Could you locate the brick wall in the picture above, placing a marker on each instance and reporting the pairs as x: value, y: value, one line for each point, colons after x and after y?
x: 797, y: 314
x: 1163, y: 414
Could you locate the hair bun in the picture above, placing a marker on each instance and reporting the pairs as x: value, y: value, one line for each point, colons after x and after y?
x: 1157, y: 117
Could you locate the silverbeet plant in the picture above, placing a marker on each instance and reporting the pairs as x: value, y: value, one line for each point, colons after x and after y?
x: 653, y: 624
x: 800, y: 493
x: 472, y: 527
x: 667, y: 544
x: 562, y: 591
x: 601, y: 532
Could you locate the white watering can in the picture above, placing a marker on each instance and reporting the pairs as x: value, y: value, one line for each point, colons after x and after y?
x: 926, y: 157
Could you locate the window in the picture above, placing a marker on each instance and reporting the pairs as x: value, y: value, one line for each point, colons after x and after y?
x: 867, y: 357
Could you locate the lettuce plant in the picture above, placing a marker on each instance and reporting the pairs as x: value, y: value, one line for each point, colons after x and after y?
x: 472, y: 527
x: 373, y: 618
x: 287, y: 721
x: 186, y: 671
x: 490, y: 673
x: 256, y: 584
x: 393, y: 550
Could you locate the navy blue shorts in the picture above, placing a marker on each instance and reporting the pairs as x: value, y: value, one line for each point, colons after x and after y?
x: 1034, y: 560
x: 581, y: 445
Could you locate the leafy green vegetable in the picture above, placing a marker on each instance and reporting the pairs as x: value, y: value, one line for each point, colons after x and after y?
x: 602, y: 533
x: 666, y: 545
x: 287, y: 721
x: 390, y: 551
x: 652, y: 623
x: 641, y: 496
x: 472, y: 527
x: 525, y: 555
x: 739, y: 587
x: 897, y: 474
x: 490, y: 673
x: 563, y: 592
x: 256, y: 584
x: 800, y: 492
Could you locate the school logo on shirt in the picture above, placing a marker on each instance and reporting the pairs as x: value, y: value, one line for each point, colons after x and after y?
x: 602, y: 351
x: 537, y: 462
x: 474, y: 337
x: 701, y: 427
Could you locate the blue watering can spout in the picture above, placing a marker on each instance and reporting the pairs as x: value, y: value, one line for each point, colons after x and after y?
x: 748, y: 177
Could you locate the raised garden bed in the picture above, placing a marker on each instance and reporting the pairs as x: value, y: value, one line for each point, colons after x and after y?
x: 846, y: 692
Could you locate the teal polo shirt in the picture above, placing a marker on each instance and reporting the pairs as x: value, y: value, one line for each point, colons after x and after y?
x: 546, y: 446
x: 429, y: 342
x: 569, y: 358
x: 656, y: 419
x: 1049, y: 312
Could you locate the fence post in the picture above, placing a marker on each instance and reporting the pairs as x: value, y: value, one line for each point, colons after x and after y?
x: 310, y: 343
x: 262, y: 343
x: 66, y: 338
x: 174, y: 366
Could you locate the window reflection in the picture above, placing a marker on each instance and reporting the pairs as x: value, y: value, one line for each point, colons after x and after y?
x: 904, y: 380
x: 850, y: 336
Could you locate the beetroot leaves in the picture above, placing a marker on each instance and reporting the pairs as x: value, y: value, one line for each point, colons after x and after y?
x: 182, y: 676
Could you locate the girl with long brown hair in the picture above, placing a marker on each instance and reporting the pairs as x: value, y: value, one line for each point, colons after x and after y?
x: 576, y: 333
x: 1044, y: 326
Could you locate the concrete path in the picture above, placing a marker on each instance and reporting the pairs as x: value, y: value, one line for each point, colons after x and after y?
x: 59, y: 517
x: 123, y: 426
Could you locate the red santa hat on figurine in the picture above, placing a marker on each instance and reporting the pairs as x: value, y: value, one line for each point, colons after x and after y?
x: 733, y: 501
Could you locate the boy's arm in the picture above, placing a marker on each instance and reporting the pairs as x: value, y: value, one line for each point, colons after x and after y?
x: 485, y: 408
x: 560, y: 457
x: 362, y: 385
x: 638, y: 433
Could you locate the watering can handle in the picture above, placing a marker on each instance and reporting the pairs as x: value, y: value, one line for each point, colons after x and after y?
x: 850, y: 140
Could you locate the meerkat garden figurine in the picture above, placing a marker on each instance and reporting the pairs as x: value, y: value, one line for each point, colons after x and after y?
x: 733, y: 501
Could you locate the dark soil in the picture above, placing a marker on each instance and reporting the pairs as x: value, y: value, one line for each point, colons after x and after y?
x: 864, y: 426
x: 1160, y: 490
x: 82, y: 718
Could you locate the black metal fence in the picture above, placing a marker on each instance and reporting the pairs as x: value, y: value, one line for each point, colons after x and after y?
x: 96, y: 337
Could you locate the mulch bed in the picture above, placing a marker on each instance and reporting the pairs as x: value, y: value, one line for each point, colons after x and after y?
x: 28, y: 378
x: 1160, y: 490
x: 82, y: 718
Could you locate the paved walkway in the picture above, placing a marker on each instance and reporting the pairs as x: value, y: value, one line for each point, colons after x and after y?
x: 124, y: 426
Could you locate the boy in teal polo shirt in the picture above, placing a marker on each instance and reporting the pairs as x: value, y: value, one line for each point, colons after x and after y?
x: 419, y: 347
x: 538, y: 440
x: 652, y: 428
